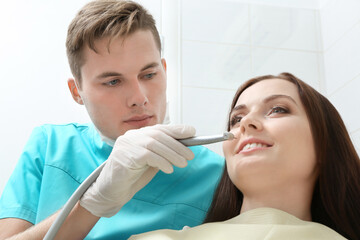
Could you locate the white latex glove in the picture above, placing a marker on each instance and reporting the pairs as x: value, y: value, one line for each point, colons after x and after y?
x: 136, y: 158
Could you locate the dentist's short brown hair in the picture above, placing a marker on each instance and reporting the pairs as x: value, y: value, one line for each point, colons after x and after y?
x: 105, y: 18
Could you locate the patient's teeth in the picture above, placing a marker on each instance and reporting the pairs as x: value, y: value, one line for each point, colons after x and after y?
x: 253, y: 145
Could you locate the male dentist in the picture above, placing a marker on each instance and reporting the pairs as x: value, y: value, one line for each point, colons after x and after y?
x: 113, y: 49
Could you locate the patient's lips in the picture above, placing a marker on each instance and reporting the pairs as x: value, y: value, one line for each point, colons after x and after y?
x: 253, y: 144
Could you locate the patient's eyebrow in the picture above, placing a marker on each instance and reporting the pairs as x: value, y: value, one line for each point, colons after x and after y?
x: 276, y: 96
x: 266, y: 100
x: 238, y: 107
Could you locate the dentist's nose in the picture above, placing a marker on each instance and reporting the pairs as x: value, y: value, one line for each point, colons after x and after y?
x: 137, y: 95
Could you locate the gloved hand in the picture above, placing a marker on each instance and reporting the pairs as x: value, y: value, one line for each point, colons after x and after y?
x: 136, y: 158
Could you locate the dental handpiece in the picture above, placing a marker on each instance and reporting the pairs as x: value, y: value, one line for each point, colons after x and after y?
x: 202, y: 140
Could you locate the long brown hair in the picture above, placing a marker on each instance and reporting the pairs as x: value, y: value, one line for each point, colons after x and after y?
x: 336, y: 197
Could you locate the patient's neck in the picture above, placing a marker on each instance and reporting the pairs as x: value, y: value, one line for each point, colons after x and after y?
x: 293, y: 201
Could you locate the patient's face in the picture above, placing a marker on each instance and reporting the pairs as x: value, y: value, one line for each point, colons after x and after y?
x: 274, y: 145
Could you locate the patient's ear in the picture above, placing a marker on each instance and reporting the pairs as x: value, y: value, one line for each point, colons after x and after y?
x: 74, y: 91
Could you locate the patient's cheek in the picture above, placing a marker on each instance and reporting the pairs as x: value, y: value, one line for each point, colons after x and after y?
x: 236, y: 132
x: 229, y: 147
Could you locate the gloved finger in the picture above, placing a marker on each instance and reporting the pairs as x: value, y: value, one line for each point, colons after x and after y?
x: 135, y: 157
x: 177, y: 161
x: 177, y: 131
x: 154, y: 160
x: 146, y: 177
x: 168, y: 147
x: 154, y: 153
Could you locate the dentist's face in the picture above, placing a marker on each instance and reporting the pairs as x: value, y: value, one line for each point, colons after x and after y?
x: 274, y: 145
x: 124, y: 86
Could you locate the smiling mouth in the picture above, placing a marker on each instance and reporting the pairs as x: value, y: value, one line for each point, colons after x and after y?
x: 249, y: 147
x: 254, y: 145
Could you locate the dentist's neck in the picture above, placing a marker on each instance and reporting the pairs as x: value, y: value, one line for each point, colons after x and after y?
x: 106, y: 139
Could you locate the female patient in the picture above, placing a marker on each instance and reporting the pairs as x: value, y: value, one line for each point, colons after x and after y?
x: 292, y: 172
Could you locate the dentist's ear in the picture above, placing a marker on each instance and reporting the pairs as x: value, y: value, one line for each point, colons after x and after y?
x: 74, y: 91
x: 163, y: 63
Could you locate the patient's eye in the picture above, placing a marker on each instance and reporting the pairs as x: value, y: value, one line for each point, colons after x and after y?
x: 235, y: 120
x: 278, y: 110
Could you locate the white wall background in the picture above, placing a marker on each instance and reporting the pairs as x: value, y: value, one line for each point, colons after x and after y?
x: 211, y: 47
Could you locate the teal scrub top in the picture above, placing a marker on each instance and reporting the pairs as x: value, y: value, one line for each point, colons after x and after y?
x: 58, y: 158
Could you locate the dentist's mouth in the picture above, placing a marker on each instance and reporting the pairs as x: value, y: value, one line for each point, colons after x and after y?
x: 139, y: 121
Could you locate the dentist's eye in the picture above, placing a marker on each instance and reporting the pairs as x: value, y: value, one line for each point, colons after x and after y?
x: 112, y: 82
x: 278, y: 110
x: 149, y: 76
x: 235, y: 120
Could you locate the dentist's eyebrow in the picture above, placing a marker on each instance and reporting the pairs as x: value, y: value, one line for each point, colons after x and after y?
x: 276, y: 96
x: 116, y: 74
x: 150, y: 65
x: 108, y: 74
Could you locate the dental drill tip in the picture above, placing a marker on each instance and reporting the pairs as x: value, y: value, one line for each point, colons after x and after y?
x: 229, y: 136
